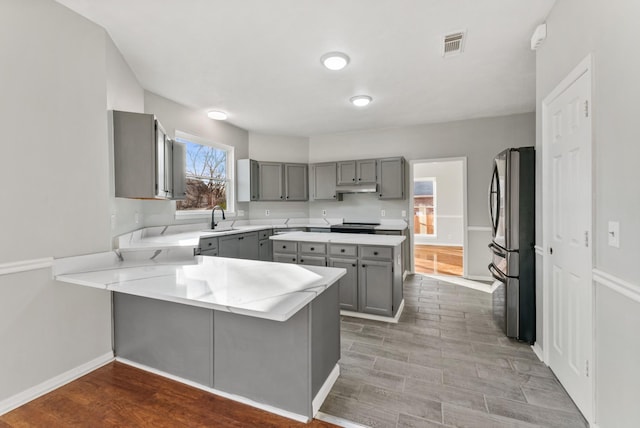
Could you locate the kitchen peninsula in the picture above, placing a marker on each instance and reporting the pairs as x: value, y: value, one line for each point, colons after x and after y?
x: 263, y: 333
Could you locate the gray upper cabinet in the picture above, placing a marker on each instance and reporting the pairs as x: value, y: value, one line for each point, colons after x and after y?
x: 144, y: 161
x: 248, y: 180
x: 271, y: 175
x: 391, y: 178
x: 357, y: 172
x: 346, y: 172
x: 296, y: 181
x: 323, y: 176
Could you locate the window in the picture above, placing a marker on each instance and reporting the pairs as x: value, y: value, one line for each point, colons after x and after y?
x: 424, y: 203
x: 209, y: 181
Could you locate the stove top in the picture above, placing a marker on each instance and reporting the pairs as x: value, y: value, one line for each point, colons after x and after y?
x: 354, y: 227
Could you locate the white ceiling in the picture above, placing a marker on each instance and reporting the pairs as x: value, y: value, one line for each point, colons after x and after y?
x: 259, y: 60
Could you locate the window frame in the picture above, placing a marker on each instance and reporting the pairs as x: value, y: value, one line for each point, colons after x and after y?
x: 181, y: 136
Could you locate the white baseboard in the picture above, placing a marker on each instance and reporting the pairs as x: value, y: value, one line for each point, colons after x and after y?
x: 324, y: 390
x: 393, y: 320
x: 338, y: 421
x: 55, y: 382
x: 538, y: 351
x: 237, y: 398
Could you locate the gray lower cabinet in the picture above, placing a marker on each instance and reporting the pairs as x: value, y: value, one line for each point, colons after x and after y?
x: 374, y: 287
x: 265, y: 250
x: 304, y: 253
x: 348, y: 284
x: 239, y: 246
x: 391, y: 178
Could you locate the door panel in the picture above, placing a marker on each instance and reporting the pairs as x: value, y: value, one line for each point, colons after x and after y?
x: 568, y: 154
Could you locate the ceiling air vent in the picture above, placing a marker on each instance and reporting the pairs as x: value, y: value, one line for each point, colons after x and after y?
x: 453, y: 44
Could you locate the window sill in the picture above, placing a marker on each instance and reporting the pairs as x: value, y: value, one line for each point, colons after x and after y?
x: 197, y: 214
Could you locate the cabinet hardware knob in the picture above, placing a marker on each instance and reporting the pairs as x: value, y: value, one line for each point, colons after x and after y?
x: 342, y: 250
x: 280, y: 197
x: 301, y: 261
x: 375, y: 253
x: 334, y: 196
x: 284, y: 246
x: 380, y: 194
x: 359, y: 179
x: 354, y: 265
x: 312, y: 248
x: 287, y: 197
x: 353, y: 179
x: 294, y: 259
x: 364, y: 265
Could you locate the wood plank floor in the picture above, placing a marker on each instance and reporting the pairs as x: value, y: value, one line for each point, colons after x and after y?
x: 438, y: 259
x: 124, y: 396
x: 445, y: 364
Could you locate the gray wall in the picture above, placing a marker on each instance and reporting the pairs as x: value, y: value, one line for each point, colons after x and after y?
x: 477, y: 139
x: 55, y: 173
x: 610, y: 32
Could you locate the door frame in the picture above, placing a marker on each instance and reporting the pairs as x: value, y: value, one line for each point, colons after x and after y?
x: 584, y: 67
x: 465, y: 225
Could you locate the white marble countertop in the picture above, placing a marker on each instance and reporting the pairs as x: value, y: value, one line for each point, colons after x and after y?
x: 341, y: 238
x: 274, y: 291
x: 188, y: 235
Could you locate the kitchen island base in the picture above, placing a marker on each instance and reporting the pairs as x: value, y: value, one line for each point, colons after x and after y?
x: 286, y: 367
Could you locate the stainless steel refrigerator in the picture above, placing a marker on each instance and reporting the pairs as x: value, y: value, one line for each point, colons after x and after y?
x: 512, y: 210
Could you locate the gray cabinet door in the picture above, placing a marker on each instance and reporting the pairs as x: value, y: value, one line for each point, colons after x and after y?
x: 391, y: 178
x: 348, y: 284
x: 346, y: 172
x: 296, y: 182
x: 271, y: 181
x: 249, y: 248
x: 229, y: 246
x: 375, y: 290
x: 254, y: 180
x: 366, y: 171
x: 265, y: 250
x: 179, y: 170
x: 324, y: 181
x: 285, y: 258
x: 312, y: 260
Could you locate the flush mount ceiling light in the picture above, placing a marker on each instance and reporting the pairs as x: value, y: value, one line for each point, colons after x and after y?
x: 334, y: 60
x: 361, y: 100
x: 217, y: 115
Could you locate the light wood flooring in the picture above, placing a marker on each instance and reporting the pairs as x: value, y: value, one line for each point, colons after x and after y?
x: 118, y: 395
x: 444, y: 364
x: 436, y: 259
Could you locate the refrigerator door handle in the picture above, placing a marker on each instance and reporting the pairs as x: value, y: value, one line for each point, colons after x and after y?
x: 495, y: 272
x: 494, y: 184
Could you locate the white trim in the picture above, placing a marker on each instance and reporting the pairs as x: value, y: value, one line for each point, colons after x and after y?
x: 338, y: 421
x: 627, y: 289
x: 465, y: 282
x: 538, y: 250
x: 479, y: 228
x: 465, y: 216
x: 393, y: 320
x: 480, y: 277
x: 324, y: 390
x: 237, y: 398
x: 25, y: 265
x: 538, y: 351
x: 49, y: 385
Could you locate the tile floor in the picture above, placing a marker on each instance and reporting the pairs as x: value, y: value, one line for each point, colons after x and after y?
x: 444, y: 364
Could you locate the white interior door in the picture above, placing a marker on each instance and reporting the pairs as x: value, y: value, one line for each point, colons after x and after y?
x: 567, y: 148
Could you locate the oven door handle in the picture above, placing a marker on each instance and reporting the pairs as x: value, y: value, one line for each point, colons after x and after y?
x: 495, y: 272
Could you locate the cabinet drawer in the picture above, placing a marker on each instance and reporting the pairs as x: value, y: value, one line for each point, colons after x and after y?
x: 208, y: 244
x: 212, y: 253
x: 367, y: 252
x: 285, y: 247
x: 285, y: 258
x: 313, y: 248
x: 264, y: 234
x: 312, y: 260
x: 343, y: 250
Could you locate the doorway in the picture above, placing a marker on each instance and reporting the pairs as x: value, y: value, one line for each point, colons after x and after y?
x: 438, y: 204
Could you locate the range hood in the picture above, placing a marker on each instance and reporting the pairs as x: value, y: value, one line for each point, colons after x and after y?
x: 357, y: 188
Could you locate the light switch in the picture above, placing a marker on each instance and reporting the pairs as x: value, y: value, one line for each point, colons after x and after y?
x: 614, y: 234
x: 267, y: 213
x: 382, y: 213
x: 324, y: 213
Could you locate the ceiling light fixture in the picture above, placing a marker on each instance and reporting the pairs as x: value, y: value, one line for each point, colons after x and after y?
x: 334, y: 60
x: 217, y: 115
x: 360, y: 100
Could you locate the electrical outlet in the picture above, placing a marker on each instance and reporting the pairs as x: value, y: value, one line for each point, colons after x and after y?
x: 324, y: 213
x: 403, y: 213
x: 267, y: 213
x: 382, y: 213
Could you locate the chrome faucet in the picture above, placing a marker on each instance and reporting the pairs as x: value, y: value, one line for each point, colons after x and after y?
x: 213, y: 223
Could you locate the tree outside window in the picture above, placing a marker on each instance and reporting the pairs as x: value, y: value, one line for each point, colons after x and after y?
x: 207, y: 182
x: 424, y: 206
